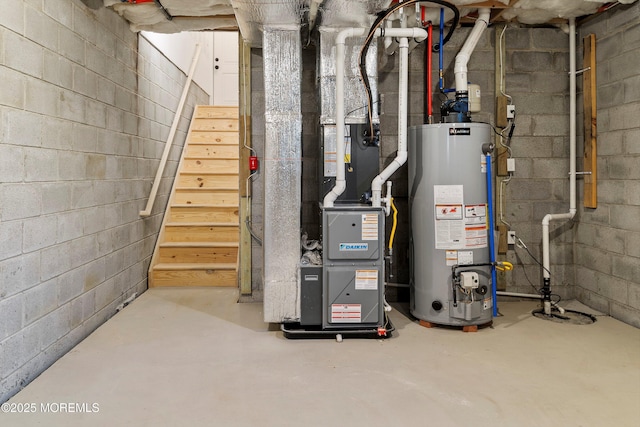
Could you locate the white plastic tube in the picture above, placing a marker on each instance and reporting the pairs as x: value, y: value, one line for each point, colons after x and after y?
x: 401, y: 157
x: 517, y: 295
x: 546, y: 265
x: 462, y: 59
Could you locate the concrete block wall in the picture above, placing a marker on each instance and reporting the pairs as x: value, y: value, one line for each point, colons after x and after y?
x: 607, y: 244
x: 85, y: 107
x: 536, y: 66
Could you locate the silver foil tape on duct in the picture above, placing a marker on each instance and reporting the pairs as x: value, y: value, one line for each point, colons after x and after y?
x: 355, y: 105
x: 282, y: 168
x: 351, y: 13
x: 254, y: 15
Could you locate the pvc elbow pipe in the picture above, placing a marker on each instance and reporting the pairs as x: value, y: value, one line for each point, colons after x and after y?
x: 403, y: 85
x: 417, y: 33
x: 462, y: 59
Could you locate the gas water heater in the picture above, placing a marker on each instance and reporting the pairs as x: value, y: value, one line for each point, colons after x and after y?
x: 449, y: 217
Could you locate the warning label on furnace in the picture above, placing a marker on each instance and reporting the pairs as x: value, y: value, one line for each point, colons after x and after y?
x: 330, y: 149
x: 367, y: 280
x: 346, y: 313
x: 369, y: 227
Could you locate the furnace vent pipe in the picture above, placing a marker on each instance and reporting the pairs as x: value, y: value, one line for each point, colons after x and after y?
x: 417, y: 33
x: 546, y: 265
x: 462, y: 59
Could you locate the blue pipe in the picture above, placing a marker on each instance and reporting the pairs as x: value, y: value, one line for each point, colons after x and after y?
x: 492, y: 249
x: 441, y: 48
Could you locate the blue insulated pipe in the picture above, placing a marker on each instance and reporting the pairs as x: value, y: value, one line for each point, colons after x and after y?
x: 492, y: 248
x: 441, y: 49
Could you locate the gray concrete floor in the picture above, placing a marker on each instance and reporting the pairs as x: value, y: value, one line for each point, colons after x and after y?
x: 192, y: 357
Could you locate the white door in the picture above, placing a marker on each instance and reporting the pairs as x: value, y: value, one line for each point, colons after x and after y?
x: 225, y: 68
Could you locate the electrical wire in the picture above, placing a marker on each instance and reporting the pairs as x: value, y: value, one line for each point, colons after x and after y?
x: 502, y: 67
x: 520, y: 244
x: 374, y: 27
x: 503, y: 183
x: 492, y: 127
x: 247, y: 220
x: 359, y: 108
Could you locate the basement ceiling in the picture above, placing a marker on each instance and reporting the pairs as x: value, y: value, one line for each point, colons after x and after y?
x: 249, y: 16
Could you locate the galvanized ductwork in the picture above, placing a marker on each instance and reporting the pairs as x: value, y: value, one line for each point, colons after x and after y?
x: 282, y: 166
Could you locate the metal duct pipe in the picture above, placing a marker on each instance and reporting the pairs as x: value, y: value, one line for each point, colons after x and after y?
x: 546, y: 264
x: 462, y: 59
x: 419, y: 34
x: 282, y: 167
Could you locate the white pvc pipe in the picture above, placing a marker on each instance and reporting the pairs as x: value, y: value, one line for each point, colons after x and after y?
x: 313, y: 13
x: 401, y: 155
x: 546, y: 265
x: 419, y: 34
x: 462, y: 59
x: 517, y: 295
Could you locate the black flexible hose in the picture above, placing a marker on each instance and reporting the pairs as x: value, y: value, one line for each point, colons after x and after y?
x: 381, y: 17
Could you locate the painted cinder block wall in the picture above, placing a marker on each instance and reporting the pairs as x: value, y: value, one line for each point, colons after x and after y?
x: 85, y: 108
x: 607, y: 243
x: 536, y: 65
x: 595, y: 257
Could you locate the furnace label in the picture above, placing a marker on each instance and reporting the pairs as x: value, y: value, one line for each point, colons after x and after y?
x: 346, y: 313
x: 369, y: 227
x: 367, y: 280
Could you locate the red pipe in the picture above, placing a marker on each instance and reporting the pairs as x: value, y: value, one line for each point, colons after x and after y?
x: 428, y: 46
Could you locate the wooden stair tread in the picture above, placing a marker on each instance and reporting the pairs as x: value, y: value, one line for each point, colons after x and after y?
x: 199, y: 240
x: 198, y: 206
x: 213, y: 189
x: 195, y: 266
x: 202, y: 224
x: 199, y: 244
x: 212, y: 158
x: 207, y: 173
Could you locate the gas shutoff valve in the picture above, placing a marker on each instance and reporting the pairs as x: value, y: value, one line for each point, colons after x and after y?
x: 469, y: 280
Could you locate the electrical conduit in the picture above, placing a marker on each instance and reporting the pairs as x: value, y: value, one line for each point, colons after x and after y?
x: 376, y: 186
x: 546, y: 274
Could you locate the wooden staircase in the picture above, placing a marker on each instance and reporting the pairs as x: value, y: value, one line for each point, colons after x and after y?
x: 198, y: 241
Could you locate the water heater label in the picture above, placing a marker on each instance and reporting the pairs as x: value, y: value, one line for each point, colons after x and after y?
x: 459, y: 131
x: 346, y: 313
x: 449, y: 216
x: 354, y: 246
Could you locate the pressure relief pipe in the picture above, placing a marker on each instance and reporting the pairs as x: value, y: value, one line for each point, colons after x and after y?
x: 462, y: 59
x: 546, y: 265
x: 376, y: 186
